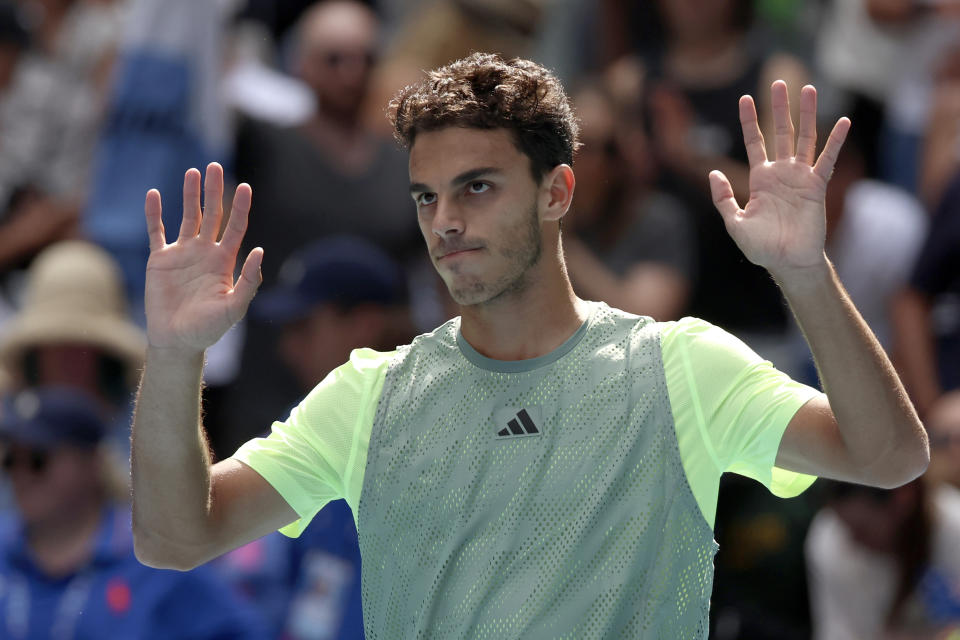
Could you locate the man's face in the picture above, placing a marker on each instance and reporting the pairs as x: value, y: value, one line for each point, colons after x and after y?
x: 314, y: 345
x: 48, y: 483
x: 337, y: 55
x: 477, y: 205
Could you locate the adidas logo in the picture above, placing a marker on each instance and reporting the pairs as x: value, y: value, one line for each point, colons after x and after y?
x: 522, y: 425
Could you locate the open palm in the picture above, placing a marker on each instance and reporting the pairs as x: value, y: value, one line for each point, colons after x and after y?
x: 783, y: 226
x: 191, y: 296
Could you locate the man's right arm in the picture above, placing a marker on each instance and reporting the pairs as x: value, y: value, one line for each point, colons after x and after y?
x: 185, y: 510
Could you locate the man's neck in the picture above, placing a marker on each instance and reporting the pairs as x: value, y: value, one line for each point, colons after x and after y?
x: 62, y: 547
x: 530, y: 322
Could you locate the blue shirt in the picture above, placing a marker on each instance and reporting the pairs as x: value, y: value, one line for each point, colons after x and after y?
x: 114, y: 596
x: 309, y: 587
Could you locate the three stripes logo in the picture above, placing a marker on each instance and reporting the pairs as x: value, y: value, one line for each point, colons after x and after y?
x: 522, y: 425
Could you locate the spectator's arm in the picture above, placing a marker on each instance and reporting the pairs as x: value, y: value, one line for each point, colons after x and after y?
x: 941, y: 147
x: 32, y: 225
x: 913, y: 347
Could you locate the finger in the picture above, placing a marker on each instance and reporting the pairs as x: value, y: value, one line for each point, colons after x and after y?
x: 807, y: 139
x: 237, y: 223
x: 782, y: 122
x: 723, y: 198
x: 212, y: 202
x: 249, y: 280
x: 828, y: 157
x: 154, y: 213
x: 752, y: 136
x: 191, y: 205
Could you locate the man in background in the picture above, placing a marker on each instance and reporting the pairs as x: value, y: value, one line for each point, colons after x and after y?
x: 66, y: 555
x: 330, y: 175
x: 336, y: 295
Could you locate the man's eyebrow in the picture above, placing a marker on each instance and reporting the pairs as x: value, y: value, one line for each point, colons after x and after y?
x: 473, y: 174
x: 463, y: 178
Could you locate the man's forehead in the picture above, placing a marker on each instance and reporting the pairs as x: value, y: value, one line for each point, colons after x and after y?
x: 438, y: 156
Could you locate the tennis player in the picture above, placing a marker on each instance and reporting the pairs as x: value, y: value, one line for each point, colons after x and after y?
x: 541, y: 466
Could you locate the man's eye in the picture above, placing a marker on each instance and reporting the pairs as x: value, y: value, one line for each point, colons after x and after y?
x: 479, y: 187
x: 426, y: 198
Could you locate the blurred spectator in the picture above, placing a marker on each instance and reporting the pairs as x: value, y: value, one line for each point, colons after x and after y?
x: 50, y: 114
x: 884, y: 564
x: 73, y: 329
x: 940, y: 157
x: 856, y: 56
x: 66, y: 557
x: 335, y: 295
x: 440, y: 31
x: 874, y: 234
x: 931, y: 29
x: 164, y: 114
x: 79, y: 36
x: 625, y: 243
x: 696, y: 77
x: 253, y: 85
x: 943, y: 426
x: 927, y: 312
x: 328, y: 176
x: 48, y: 125
x: 279, y: 16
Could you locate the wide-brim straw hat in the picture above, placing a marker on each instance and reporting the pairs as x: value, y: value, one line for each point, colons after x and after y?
x: 74, y: 295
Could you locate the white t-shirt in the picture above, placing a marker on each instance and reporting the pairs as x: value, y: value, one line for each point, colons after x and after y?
x: 852, y: 588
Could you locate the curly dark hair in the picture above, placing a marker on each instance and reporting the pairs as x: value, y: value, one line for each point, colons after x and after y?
x: 484, y: 91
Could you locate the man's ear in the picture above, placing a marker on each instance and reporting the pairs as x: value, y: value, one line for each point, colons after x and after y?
x: 556, y: 192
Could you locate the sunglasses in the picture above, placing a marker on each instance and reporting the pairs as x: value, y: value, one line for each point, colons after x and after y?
x: 340, y: 58
x: 35, y: 460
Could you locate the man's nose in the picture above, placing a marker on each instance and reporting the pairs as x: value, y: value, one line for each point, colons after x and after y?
x: 448, y: 219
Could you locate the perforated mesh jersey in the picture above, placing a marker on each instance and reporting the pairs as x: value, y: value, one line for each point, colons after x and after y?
x: 586, y: 528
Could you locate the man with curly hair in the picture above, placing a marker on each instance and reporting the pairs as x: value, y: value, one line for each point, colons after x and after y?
x: 541, y: 466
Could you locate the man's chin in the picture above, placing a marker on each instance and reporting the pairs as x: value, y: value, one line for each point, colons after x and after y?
x: 468, y: 294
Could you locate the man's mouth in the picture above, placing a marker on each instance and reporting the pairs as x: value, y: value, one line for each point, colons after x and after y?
x: 454, y: 252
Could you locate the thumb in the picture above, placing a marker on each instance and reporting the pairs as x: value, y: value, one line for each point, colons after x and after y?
x: 723, y: 198
x: 249, y: 280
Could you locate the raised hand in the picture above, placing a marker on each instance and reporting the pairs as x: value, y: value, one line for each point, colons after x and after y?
x: 191, y: 296
x: 783, y: 226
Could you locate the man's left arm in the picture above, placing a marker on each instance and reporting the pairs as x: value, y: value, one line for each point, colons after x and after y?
x: 866, y: 429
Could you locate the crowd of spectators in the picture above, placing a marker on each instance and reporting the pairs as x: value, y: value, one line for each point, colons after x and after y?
x: 101, y: 100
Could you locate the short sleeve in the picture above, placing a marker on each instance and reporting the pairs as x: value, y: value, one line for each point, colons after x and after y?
x: 319, y: 452
x: 730, y: 409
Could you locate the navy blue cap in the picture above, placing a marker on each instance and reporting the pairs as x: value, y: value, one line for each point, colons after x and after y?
x: 49, y: 416
x: 343, y: 270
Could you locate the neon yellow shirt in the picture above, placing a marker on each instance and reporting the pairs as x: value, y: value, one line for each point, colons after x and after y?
x: 729, y: 406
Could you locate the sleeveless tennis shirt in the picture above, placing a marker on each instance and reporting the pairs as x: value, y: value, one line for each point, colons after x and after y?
x: 544, y: 498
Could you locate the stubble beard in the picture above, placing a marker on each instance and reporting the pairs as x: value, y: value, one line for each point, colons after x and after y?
x: 521, y: 251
